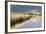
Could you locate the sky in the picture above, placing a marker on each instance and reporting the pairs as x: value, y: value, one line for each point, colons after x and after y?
x: 25, y: 8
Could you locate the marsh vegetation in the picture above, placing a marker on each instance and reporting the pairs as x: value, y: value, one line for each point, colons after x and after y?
x: 19, y: 18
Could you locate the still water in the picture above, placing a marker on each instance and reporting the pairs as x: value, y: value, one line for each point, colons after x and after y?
x: 31, y: 23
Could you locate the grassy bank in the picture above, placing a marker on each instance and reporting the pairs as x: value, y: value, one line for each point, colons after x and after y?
x: 19, y: 18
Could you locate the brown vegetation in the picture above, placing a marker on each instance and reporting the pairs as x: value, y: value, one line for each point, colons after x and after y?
x: 19, y: 18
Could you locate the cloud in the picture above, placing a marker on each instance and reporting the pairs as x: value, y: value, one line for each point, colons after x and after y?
x: 34, y: 11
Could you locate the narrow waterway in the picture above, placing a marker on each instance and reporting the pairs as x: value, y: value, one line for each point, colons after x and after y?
x: 31, y: 23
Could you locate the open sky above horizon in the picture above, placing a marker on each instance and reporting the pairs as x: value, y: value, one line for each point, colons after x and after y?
x: 25, y: 8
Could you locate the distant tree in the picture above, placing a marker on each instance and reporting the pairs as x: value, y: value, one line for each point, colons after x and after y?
x: 30, y: 14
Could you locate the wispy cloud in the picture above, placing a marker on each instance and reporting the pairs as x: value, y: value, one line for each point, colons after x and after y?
x: 34, y: 11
